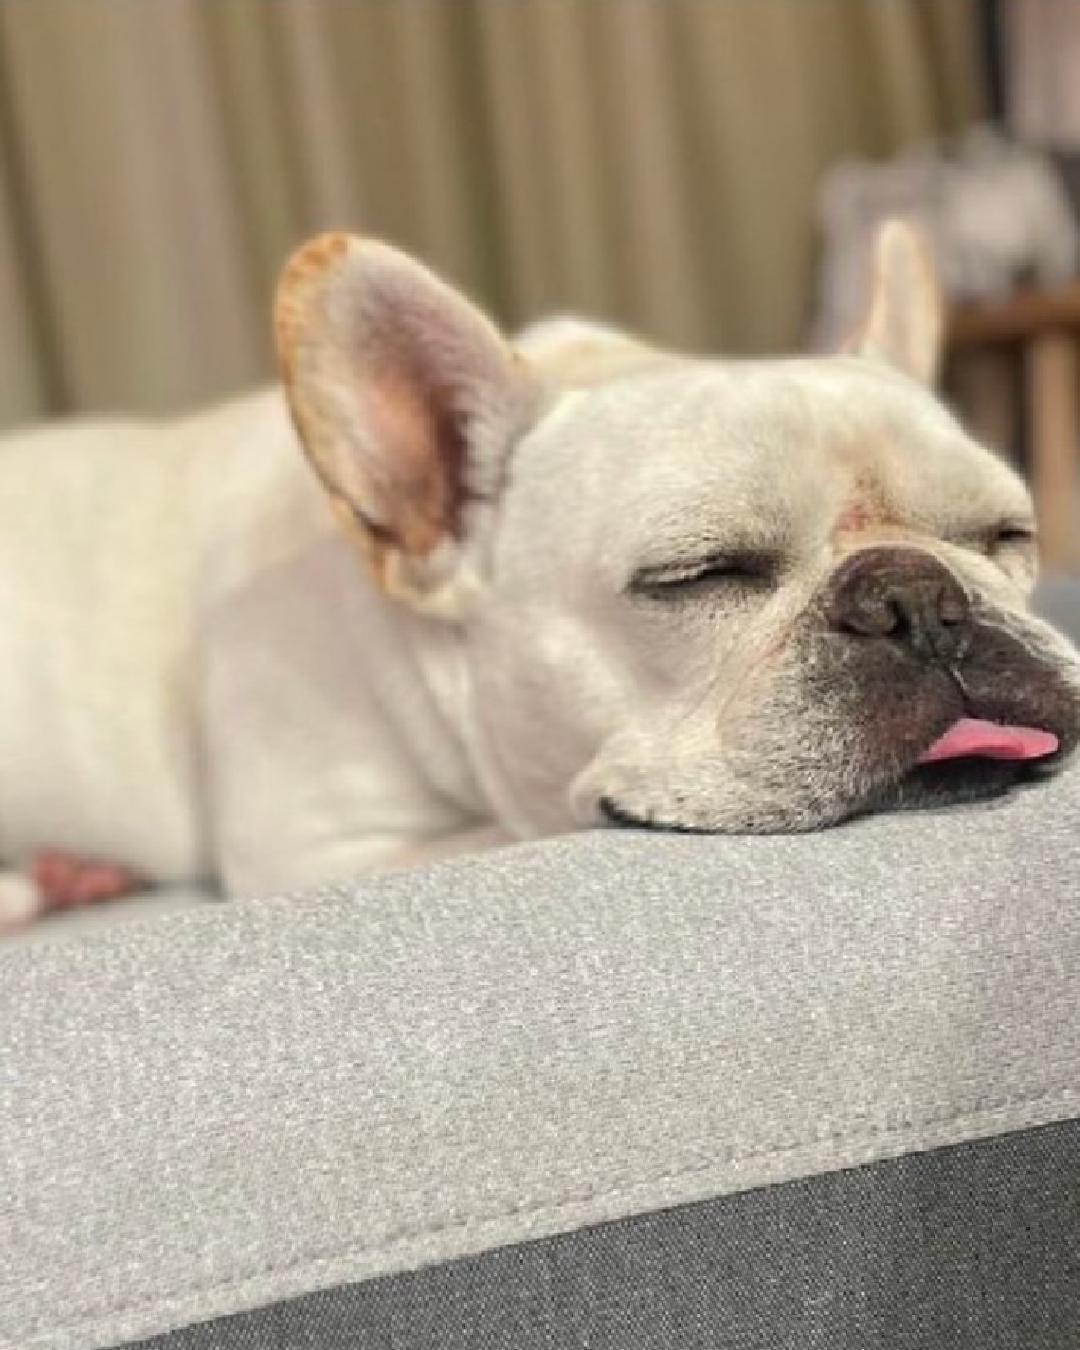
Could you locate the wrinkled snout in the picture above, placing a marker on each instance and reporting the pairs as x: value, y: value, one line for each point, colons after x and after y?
x: 903, y: 595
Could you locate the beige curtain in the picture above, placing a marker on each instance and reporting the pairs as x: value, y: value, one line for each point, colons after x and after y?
x: 1042, y: 46
x: 651, y: 161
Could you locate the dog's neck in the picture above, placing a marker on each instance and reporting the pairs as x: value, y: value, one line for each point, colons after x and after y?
x: 435, y: 708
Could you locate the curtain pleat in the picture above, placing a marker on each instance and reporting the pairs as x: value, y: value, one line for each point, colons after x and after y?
x: 1042, y: 49
x: 652, y: 162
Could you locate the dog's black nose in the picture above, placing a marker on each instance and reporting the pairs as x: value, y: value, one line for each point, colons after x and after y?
x: 903, y: 594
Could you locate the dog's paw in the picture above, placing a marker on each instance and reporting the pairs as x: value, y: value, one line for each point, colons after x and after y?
x: 66, y: 881
x: 21, y: 900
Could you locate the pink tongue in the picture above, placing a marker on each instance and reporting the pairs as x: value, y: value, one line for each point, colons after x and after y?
x: 972, y: 736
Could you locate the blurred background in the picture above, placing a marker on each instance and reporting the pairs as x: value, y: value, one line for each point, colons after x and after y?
x: 661, y: 163
x: 654, y: 163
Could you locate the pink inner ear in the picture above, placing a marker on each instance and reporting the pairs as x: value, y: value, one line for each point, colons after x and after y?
x: 417, y: 460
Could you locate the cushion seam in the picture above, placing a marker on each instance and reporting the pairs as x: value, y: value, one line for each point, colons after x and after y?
x: 91, y: 1318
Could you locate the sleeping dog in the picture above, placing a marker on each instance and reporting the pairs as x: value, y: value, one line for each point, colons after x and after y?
x: 442, y: 588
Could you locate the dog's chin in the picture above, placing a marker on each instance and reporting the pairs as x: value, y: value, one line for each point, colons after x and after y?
x: 958, y: 782
x: 924, y: 787
x: 623, y: 817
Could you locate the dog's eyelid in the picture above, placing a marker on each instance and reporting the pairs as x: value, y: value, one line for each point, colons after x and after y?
x: 1018, y: 533
x: 1015, y: 530
x: 666, y: 580
x: 1012, y: 532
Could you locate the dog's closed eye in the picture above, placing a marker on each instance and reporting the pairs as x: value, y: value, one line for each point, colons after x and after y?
x: 1008, y: 539
x: 1010, y: 543
x: 1011, y: 535
x: 687, y: 579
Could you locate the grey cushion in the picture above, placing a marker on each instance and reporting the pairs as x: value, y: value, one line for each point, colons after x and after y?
x: 223, y: 1109
x: 612, y: 1090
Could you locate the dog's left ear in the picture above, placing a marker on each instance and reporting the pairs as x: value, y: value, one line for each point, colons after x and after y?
x: 406, y: 399
x: 904, y: 322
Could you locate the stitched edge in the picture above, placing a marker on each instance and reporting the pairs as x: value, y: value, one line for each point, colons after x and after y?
x: 97, y: 1321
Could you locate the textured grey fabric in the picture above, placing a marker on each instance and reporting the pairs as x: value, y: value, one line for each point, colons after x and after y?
x: 223, y: 1108
x: 968, y: 1248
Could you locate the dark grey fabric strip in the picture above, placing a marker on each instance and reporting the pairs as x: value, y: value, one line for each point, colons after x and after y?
x: 975, y: 1247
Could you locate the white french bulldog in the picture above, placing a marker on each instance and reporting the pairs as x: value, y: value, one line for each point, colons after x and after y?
x: 529, y: 587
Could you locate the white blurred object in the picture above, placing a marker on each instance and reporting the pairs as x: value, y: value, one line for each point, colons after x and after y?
x: 995, y: 212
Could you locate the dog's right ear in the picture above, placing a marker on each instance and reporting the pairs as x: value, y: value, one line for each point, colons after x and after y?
x: 905, y: 320
x: 406, y: 399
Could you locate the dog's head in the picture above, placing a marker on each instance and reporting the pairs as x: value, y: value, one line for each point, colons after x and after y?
x: 704, y: 595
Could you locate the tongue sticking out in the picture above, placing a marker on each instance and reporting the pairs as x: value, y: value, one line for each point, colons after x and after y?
x: 972, y: 737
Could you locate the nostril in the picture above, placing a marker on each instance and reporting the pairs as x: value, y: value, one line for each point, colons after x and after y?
x: 870, y: 615
x: 952, y: 607
x: 901, y: 595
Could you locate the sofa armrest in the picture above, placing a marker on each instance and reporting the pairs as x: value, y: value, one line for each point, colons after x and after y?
x: 617, y: 1089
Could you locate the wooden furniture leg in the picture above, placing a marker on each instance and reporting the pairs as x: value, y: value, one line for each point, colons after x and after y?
x: 1055, y: 444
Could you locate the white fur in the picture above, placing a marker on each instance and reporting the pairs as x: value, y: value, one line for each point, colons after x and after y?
x: 20, y: 900
x: 188, y: 677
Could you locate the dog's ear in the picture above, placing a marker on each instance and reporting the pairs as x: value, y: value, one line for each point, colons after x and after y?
x: 905, y: 320
x: 406, y: 399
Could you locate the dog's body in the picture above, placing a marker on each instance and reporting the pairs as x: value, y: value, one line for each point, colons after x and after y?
x: 601, y: 581
x: 198, y: 680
